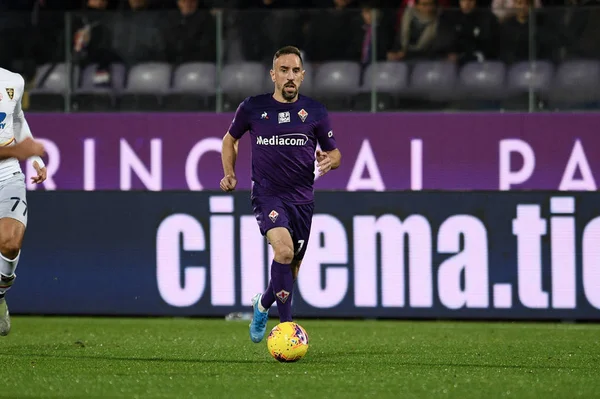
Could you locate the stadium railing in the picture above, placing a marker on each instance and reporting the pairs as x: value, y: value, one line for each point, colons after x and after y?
x: 151, y: 61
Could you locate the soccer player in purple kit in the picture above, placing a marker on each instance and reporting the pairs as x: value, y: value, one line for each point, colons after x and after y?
x: 285, y: 128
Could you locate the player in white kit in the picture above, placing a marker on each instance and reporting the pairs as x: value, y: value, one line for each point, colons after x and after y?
x: 16, y: 143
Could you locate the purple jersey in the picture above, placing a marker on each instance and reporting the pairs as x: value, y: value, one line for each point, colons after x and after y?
x: 284, y: 140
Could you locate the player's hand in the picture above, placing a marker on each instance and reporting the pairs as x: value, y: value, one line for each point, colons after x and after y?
x: 28, y: 148
x: 323, y: 162
x: 41, y: 173
x: 228, y: 183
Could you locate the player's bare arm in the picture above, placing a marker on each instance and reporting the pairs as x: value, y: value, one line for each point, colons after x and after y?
x: 229, y: 153
x: 328, y: 160
x: 24, y: 150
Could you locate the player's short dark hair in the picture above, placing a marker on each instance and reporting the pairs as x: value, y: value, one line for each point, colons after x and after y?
x: 288, y: 50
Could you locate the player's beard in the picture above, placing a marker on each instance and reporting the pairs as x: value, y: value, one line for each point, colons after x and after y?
x: 289, y: 95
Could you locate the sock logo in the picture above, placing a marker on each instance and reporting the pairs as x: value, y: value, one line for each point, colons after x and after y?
x: 273, y: 216
x: 283, y: 295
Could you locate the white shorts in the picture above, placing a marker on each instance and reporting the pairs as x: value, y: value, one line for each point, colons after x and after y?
x: 13, y: 200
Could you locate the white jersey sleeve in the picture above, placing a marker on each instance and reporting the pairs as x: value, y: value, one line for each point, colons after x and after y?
x: 20, y: 126
x: 13, y: 126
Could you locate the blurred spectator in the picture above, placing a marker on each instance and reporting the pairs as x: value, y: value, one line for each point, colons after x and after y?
x: 411, y: 3
x: 516, y: 35
x: 62, y: 5
x: 270, y: 24
x: 13, y: 5
x: 28, y: 5
x: 334, y: 34
x: 384, y: 33
x: 136, y: 36
x: 339, y: 4
x: 270, y: 3
x: 468, y: 34
x: 417, y: 32
x: 508, y: 8
x: 344, y: 4
x: 17, y: 54
x: 190, y: 34
x: 91, y: 42
x: 577, y: 29
x: 589, y: 44
x: 47, y: 40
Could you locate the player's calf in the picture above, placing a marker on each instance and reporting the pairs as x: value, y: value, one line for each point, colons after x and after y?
x: 10, y: 247
x: 11, y: 237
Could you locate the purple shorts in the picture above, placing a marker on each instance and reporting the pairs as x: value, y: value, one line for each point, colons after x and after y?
x: 273, y: 212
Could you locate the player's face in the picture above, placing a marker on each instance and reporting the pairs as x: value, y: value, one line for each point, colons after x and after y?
x: 287, y: 74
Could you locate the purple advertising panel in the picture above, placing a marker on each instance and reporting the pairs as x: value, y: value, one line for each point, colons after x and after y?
x: 381, y: 152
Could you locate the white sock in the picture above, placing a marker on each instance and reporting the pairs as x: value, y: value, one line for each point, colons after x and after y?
x: 8, y: 266
x: 261, y: 308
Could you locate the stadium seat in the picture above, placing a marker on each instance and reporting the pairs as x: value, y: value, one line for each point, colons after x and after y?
x: 536, y: 74
x: 336, y: 83
x: 522, y: 77
x: 576, y: 85
x: 483, y: 80
x: 117, y: 72
x: 389, y: 80
x: 241, y: 80
x: 50, y: 87
x: 481, y: 85
x: 146, y: 84
x: 194, y: 88
x: 89, y: 97
x: 433, y: 82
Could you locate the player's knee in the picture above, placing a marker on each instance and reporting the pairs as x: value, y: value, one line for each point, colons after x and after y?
x: 10, y: 247
x: 284, y: 254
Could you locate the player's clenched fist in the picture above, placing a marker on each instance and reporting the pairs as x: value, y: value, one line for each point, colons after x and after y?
x: 228, y: 183
x: 324, y: 162
x: 41, y: 173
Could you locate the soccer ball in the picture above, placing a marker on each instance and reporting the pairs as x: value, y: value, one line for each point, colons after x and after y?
x: 287, y: 342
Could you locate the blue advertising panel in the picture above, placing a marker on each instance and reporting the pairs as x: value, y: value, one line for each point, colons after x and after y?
x: 489, y: 255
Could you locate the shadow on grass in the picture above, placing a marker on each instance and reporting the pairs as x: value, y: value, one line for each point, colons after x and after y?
x: 340, y: 358
x: 395, y: 359
x: 138, y: 359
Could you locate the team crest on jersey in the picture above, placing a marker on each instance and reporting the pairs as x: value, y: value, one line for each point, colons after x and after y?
x: 10, y: 92
x: 283, y: 295
x: 273, y: 216
x: 303, y: 114
x: 284, y: 117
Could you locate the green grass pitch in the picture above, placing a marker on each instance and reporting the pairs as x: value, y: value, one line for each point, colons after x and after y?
x: 197, y: 358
